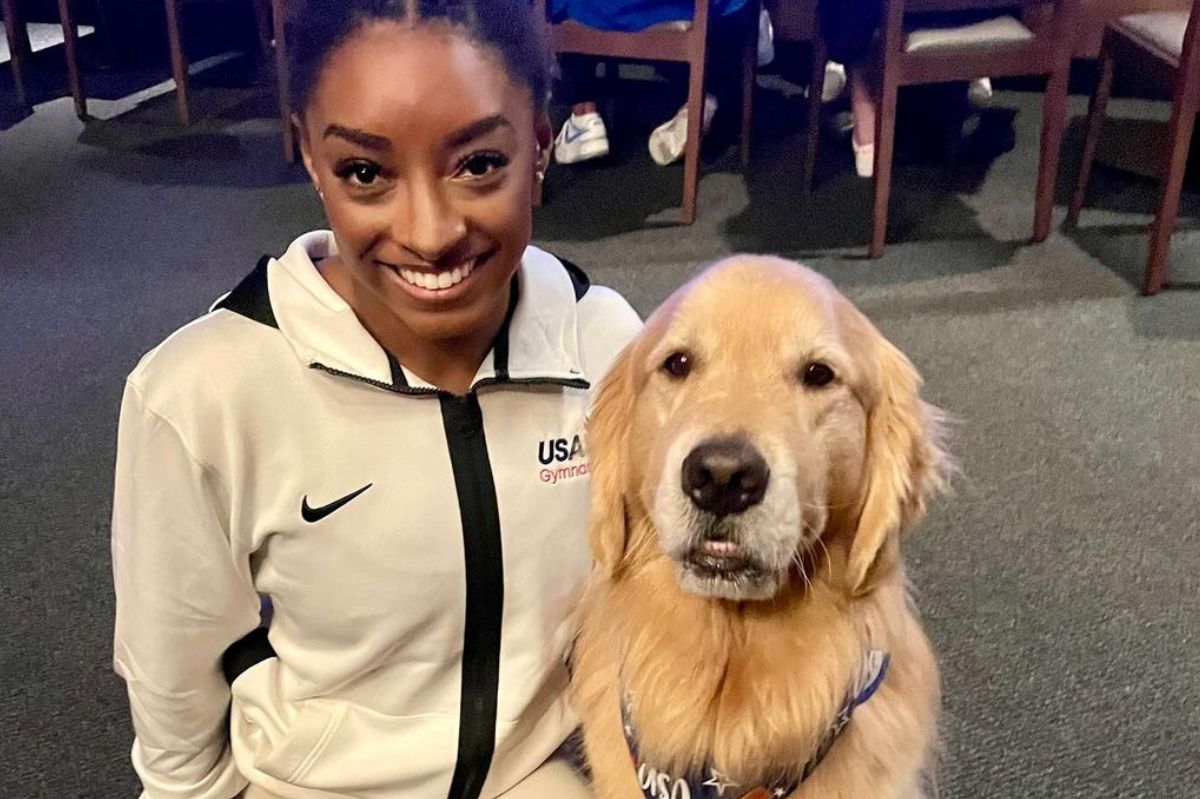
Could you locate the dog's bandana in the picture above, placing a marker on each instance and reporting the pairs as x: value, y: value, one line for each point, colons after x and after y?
x: 709, y: 783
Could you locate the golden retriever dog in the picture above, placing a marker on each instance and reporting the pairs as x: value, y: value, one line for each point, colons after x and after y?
x: 757, y: 453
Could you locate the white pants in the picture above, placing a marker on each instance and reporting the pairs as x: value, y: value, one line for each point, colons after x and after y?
x: 554, y: 779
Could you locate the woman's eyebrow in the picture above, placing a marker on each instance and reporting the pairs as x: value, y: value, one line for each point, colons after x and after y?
x: 477, y: 130
x: 370, y: 141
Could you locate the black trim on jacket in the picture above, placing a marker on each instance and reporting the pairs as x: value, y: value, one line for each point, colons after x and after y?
x: 484, y: 556
x: 249, y: 650
x: 251, y: 298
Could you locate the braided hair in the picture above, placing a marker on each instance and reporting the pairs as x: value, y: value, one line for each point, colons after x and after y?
x: 316, y: 28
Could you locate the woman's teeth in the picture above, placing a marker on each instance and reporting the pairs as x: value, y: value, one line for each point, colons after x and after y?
x: 440, y: 280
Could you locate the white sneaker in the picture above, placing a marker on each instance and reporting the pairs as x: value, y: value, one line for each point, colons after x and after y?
x: 835, y: 82
x: 669, y: 139
x: 864, y: 159
x: 583, y: 137
x: 980, y: 92
x: 766, y: 39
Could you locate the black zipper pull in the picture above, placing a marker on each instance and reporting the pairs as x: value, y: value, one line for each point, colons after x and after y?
x: 470, y: 416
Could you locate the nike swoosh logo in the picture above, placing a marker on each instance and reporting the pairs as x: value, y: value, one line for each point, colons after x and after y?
x: 568, y: 138
x: 312, y: 515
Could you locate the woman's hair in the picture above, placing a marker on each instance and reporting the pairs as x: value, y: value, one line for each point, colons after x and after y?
x: 315, y: 28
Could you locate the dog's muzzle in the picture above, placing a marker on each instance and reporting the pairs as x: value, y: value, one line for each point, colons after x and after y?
x: 725, y: 475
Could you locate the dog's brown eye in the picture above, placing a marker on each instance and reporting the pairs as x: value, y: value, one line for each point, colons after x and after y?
x: 678, y: 364
x: 817, y: 374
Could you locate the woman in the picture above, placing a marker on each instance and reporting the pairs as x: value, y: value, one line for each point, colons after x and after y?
x: 380, y: 431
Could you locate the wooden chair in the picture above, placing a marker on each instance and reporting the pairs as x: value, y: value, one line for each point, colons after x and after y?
x: 1042, y: 53
x: 1164, y: 46
x: 269, y: 15
x: 179, y: 61
x: 276, y: 31
x: 19, y: 50
x: 796, y: 20
x: 684, y: 42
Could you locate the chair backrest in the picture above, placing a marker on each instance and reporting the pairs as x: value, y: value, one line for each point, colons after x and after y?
x: 923, y: 6
x: 657, y: 43
x: 1048, y: 52
x: 1187, y: 91
x: 699, y: 13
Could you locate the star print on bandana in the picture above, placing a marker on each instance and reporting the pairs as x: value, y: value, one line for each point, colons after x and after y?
x: 719, y: 781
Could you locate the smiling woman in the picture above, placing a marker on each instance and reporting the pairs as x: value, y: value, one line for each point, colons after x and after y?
x: 355, y: 432
x: 426, y: 183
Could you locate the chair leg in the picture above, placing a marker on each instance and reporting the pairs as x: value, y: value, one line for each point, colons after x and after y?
x: 691, y: 153
x: 1095, y: 121
x: 1179, y: 141
x: 179, y: 66
x: 262, y: 21
x: 749, y: 68
x: 284, y: 80
x: 812, y: 134
x: 885, y: 141
x: 609, y: 87
x: 1054, y: 121
x: 70, y: 45
x: 17, y: 38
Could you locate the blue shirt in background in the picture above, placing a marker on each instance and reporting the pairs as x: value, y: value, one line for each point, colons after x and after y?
x: 633, y: 15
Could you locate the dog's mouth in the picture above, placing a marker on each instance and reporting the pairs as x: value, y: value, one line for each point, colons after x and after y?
x: 725, y: 570
x: 719, y: 559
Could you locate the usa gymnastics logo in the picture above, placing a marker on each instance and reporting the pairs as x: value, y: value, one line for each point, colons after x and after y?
x: 562, y: 459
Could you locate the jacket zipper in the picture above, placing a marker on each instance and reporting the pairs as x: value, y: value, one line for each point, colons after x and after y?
x: 483, y: 558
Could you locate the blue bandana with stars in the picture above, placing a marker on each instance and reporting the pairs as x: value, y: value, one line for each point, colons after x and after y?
x: 709, y: 783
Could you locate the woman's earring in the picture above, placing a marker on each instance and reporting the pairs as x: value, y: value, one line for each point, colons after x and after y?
x: 320, y: 193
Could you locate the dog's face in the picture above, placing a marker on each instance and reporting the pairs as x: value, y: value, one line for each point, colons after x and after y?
x: 757, y: 410
x: 751, y: 409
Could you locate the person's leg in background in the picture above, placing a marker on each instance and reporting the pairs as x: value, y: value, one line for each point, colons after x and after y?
x: 556, y: 779
x: 722, y: 80
x: 862, y: 109
x: 849, y: 28
x: 583, y: 136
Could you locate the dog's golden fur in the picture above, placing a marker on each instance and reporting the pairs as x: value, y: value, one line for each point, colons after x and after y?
x: 751, y: 687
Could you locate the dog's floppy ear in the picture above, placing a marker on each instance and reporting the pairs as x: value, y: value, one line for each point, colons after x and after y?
x: 608, y: 429
x: 905, y: 462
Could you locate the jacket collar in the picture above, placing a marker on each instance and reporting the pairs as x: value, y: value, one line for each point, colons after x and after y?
x: 538, y: 342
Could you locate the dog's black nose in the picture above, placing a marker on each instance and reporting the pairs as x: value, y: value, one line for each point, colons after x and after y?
x: 725, y: 475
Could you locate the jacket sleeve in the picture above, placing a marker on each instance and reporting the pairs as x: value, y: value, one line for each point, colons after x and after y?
x: 183, y: 596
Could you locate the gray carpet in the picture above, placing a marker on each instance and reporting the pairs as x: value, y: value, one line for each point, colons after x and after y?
x: 1059, y: 581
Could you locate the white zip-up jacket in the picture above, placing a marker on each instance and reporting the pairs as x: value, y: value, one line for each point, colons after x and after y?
x: 422, y: 552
